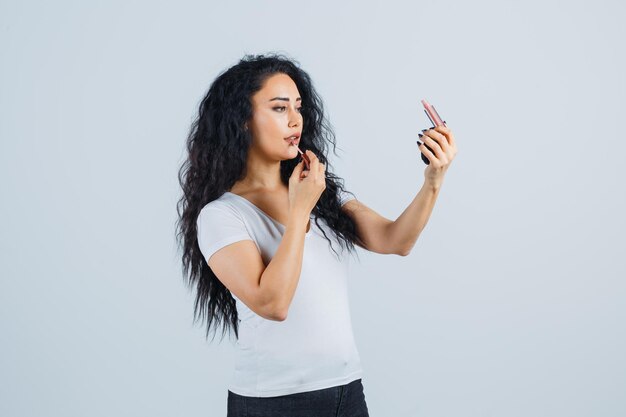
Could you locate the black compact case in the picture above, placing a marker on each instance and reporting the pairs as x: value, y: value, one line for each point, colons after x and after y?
x: 424, y: 158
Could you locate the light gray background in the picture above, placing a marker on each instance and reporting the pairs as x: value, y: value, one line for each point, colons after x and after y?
x: 512, y: 301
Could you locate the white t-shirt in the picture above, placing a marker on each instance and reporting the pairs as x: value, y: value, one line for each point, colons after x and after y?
x: 314, y: 348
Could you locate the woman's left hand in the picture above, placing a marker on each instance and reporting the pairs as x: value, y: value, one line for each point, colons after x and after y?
x: 441, y: 140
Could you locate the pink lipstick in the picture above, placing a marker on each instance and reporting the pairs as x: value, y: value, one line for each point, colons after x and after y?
x: 432, y: 114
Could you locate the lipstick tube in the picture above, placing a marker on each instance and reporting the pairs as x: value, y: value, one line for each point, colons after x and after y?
x: 432, y: 114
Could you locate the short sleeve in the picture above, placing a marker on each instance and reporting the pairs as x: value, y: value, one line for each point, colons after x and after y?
x: 344, y: 197
x: 219, y: 227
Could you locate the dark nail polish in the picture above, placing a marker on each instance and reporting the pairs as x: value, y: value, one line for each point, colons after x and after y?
x: 420, y: 135
x: 424, y: 130
x: 419, y: 143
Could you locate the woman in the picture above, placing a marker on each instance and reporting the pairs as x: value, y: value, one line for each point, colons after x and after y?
x: 259, y: 233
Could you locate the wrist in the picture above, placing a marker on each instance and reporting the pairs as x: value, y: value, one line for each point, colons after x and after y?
x: 298, y: 216
x: 432, y: 186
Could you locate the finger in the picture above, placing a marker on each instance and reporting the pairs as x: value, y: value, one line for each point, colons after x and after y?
x: 439, y: 146
x: 431, y: 157
x: 303, y: 171
x: 450, y: 150
x: 314, y: 165
x: 447, y: 132
x: 299, y: 167
x: 439, y: 137
x: 322, y: 171
x: 434, y: 146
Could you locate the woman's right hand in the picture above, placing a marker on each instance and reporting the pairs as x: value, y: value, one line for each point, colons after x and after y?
x: 306, y: 187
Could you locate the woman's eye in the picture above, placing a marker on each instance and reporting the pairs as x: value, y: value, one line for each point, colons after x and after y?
x: 284, y: 107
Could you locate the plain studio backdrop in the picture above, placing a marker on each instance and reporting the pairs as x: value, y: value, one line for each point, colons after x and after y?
x: 512, y: 302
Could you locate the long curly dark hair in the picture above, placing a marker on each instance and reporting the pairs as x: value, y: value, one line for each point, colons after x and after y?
x: 217, y: 148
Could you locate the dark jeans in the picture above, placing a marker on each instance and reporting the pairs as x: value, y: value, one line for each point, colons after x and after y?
x: 341, y: 401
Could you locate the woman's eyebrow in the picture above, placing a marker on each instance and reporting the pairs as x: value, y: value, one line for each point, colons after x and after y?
x: 284, y: 99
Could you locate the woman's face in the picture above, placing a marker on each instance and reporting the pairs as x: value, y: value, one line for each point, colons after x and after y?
x: 276, y: 116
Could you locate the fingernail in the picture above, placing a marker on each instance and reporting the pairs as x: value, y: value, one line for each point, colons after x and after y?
x: 420, y: 135
x: 424, y: 130
x: 419, y: 143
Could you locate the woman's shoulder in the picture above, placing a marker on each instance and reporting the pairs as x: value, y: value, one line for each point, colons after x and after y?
x: 225, y: 203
